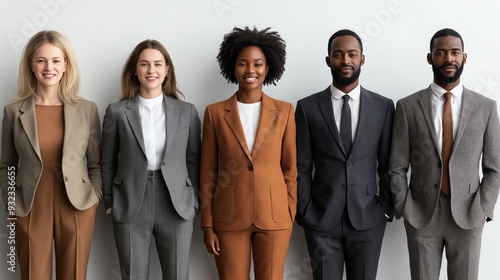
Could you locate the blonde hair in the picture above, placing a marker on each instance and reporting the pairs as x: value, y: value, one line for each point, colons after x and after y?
x: 130, y: 82
x: 70, y: 81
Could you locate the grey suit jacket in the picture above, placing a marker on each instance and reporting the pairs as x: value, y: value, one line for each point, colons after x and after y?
x: 80, y: 167
x: 329, y: 179
x: 415, y: 147
x: 124, y: 162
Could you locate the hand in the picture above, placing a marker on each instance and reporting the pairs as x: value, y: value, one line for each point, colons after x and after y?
x: 211, y: 242
x: 108, y: 210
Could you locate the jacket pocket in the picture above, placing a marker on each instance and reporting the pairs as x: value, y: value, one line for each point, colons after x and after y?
x: 372, y: 189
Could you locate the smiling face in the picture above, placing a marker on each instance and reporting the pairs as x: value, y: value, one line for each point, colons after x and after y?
x: 447, y: 59
x: 48, y: 65
x: 151, y: 70
x: 345, y: 61
x: 250, y: 69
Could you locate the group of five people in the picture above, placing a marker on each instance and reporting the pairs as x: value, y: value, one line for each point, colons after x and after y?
x: 338, y: 164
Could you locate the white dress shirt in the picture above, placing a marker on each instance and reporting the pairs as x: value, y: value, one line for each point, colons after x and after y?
x: 249, y: 118
x: 153, y: 124
x: 437, y: 109
x: 354, y: 103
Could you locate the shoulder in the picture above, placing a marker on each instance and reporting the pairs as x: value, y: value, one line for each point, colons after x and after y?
x: 314, y: 97
x: 376, y: 97
x: 86, y: 104
x: 479, y: 97
x: 415, y: 97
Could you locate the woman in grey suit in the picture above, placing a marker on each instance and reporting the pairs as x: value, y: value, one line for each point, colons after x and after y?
x: 50, y: 174
x: 150, y: 161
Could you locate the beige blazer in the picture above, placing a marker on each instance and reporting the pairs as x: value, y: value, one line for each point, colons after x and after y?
x: 239, y: 188
x: 80, y: 167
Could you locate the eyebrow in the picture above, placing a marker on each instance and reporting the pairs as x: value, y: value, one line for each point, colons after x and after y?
x: 144, y: 60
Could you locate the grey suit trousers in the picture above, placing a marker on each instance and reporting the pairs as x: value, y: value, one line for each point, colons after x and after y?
x: 157, y: 218
x: 426, y: 246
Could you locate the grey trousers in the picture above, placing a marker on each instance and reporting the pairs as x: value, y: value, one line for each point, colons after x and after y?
x: 157, y: 218
x: 426, y: 247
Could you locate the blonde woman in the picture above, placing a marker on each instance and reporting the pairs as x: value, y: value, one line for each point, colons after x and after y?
x: 50, y: 137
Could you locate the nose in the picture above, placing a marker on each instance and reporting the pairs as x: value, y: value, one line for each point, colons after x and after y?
x: 449, y: 57
x: 346, y: 59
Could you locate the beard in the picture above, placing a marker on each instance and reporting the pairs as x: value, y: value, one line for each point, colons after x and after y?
x: 345, y: 81
x: 439, y: 76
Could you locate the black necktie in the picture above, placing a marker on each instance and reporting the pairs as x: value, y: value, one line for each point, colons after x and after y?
x: 345, y: 125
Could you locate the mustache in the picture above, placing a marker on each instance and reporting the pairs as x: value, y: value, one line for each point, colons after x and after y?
x: 450, y: 65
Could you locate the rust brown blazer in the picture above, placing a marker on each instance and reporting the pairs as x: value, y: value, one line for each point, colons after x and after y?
x: 239, y: 188
x: 80, y: 167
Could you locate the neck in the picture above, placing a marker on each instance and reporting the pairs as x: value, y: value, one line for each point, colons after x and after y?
x: 346, y: 88
x: 252, y: 96
x: 47, y: 96
x: 148, y: 94
x: 448, y: 86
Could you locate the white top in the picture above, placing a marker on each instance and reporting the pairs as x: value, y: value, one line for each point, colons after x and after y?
x: 354, y: 103
x: 437, y: 109
x: 153, y: 125
x: 249, y: 118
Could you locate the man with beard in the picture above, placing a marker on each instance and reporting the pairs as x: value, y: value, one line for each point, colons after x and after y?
x: 343, y: 141
x: 447, y: 135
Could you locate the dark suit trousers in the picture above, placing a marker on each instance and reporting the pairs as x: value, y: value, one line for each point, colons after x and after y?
x: 426, y: 246
x: 157, y: 218
x: 359, y: 250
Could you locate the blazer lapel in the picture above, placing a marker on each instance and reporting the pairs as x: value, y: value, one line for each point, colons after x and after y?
x: 468, y: 101
x: 71, y: 117
x: 172, y: 117
x: 426, y: 107
x: 233, y: 121
x: 268, y: 113
x: 365, y: 111
x: 134, y: 119
x: 28, y: 121
x: 326, y: 107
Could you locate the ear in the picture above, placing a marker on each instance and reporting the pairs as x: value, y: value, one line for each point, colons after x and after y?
x: 429, y: 58
x: 65, y: 64
x: 362, y: 60
x: 465, y: 58
x: 167, y: 70
x: 327, y: 59
x: 267, y: 69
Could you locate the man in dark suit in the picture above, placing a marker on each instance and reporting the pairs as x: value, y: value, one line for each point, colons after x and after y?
x: 343, y: 141
x: 441, y: 133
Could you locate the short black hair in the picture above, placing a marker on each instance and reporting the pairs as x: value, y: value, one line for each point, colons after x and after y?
x: 344, y: 32
x: 270, y: 42
x: 446, y: 32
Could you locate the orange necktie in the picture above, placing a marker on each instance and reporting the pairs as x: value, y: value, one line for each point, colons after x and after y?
x: 447, y: 143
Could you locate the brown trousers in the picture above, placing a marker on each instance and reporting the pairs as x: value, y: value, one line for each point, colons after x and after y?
x: 269, y: 248
x: 53, y: 218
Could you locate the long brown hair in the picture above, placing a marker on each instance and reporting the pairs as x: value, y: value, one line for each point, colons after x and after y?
x: 130, y: 82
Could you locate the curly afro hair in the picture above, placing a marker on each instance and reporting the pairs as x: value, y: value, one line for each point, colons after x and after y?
x: 270, y: 42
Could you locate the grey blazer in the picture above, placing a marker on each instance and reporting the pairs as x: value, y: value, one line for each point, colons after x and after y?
x: 330, y: 180
x: 80, y: 168
x: 414, y: 146
x: 124, y: 162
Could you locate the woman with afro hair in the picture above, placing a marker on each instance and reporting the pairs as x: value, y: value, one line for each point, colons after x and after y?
x: 248, y: 173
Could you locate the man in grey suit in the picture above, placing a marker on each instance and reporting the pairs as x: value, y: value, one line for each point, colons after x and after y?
x: 343, y: 141
x: 447, y: 135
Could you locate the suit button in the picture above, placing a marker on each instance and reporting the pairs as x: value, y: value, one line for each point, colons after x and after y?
x: 250, y: 168
x: 66, y: 179
x: 343, y: 186
x: 436, y: 186
x: 163, y: 163
x: 440, y: 165
x: 349, y: 163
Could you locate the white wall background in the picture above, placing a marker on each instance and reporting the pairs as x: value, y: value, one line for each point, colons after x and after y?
x: 396, y: 36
